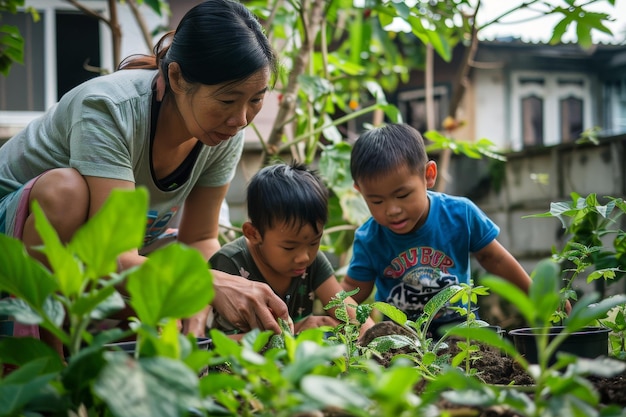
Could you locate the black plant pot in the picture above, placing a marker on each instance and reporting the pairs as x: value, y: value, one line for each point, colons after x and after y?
x: 589, y: 342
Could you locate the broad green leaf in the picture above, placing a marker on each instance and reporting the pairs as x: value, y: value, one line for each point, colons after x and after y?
x: 391, y: 311
x: 392, y: 341
x: 21, y: 275
x: 334, y: 392
x: 156, y: 387
x: 221, y: 382
x: 24, y: 350
x: 544, y: 288
x: 22, y: 386
x: 441, y: 299
x: 18, y: 309
x: 585, y: 312
x: 310, y: 355
x: 117, y: 227
x: 354, y: 207
x: 65, y: 266
x: 175, y: 282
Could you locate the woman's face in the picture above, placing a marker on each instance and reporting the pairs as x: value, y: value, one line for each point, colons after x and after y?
x: 216, y: 113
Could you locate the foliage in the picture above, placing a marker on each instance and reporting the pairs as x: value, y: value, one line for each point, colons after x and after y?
x: 426, y: 347
x: 11, y: 41
x: 264, y: 374
x: 556, y: 385
x: 594, y: 241
x: 616, y: 321
x: 81, y: 289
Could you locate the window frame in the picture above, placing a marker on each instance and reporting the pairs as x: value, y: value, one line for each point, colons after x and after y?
x: 555, y: 87
x: 48, y: 9
x: 441, y: 91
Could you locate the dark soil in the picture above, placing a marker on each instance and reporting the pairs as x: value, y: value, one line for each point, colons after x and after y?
x: 495, y: 368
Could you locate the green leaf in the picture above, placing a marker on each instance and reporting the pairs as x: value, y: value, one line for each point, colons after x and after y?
x: 23, y: 350
x: 332, y: 392
x: 22, y: 386
x: 23, y: 276
x: 117, y: 227
x: 585, y: 312
x: 391, y: 311
x: 310, y: 355
x: 18, y: 309
x: 62, y: 261
x: 544, y: 288
x: 157, y: 387
x: 162, y: 289
x: 441, y: 299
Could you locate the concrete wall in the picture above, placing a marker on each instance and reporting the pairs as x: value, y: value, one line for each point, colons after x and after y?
x: 532, y: 180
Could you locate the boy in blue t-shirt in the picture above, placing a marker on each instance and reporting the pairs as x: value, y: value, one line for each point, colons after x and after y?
x: 417, y: 242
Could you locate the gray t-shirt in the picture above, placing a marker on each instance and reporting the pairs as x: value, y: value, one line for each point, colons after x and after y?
x: 102, y: 128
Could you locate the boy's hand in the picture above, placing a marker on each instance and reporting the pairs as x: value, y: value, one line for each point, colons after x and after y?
x: 312, y: 322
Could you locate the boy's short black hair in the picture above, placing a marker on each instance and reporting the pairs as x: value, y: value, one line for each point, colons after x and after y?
x: 384, y: 149
x: 290, y: 193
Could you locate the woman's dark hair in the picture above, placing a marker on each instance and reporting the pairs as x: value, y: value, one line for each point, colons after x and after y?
x: 215, y: 42
x: 289, y: 193
x: 385, y: 149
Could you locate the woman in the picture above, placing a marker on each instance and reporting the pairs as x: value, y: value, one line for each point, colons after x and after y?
x: 173, y: 123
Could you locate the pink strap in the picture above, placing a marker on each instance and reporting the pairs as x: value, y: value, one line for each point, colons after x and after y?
x: 20, y: 329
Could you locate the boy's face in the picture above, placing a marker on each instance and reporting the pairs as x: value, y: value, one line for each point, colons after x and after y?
x: 398, y: 200
x: 287, y: 250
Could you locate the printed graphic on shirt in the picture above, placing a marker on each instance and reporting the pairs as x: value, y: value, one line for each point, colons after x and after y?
x: 421, y: 273
x: 157, y: 225
x: 424, y: 256
x: 418, y: 287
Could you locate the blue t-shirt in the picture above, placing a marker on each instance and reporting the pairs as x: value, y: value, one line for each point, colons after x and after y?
x: 409, y: 269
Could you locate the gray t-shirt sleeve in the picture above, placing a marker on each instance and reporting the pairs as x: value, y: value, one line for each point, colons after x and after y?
x: 101, y: 140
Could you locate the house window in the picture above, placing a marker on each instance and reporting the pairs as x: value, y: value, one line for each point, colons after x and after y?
x: 614, y: 99
x: 59, y: 50
x: 532, y: 121
x: 412, y: 105
x: 571, y: 118
x: 22, y: 89
x: 548, y: 108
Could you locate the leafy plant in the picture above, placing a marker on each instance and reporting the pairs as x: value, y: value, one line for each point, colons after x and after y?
x: 589, y: 227
x: 426, y: 348
x: 616, y: 321
x: 81, y: 288
x: 555, y: 387
x: 468, y: 297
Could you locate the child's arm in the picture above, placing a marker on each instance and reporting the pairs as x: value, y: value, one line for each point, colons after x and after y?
x: 365, y: 288
x: 329, y: 289
x: 498, y: 261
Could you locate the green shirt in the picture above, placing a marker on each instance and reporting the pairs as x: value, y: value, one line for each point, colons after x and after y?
x: 235, y: 258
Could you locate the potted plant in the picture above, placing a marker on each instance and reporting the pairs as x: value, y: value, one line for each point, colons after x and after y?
x: 588, y: 224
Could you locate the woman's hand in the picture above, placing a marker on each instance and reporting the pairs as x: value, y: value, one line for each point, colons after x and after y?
x: 247, y: 304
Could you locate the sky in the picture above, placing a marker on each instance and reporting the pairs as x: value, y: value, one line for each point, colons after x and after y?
x: 540, y: 30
